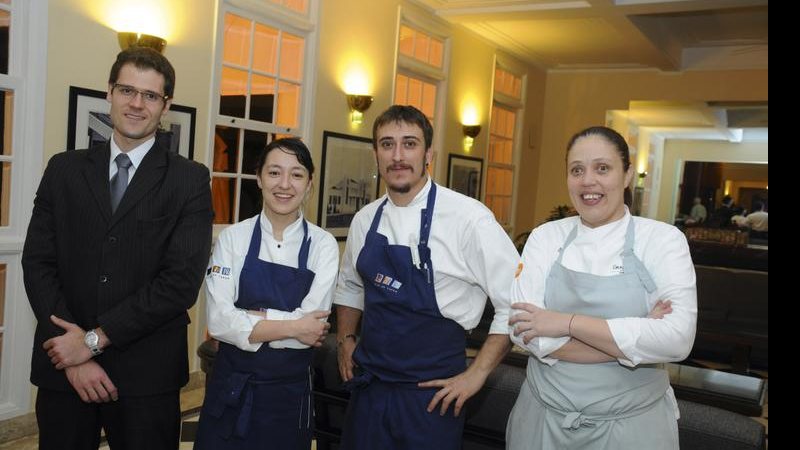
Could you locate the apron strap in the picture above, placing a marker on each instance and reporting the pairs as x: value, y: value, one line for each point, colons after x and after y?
x: 425, y: 222
x: 302, y: 257
x: 632, y: 263
x: 255, y: 242
x: 373, y: 228
x: 570, y: 238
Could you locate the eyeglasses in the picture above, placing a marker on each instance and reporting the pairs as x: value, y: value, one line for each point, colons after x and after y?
x: 130, y: 92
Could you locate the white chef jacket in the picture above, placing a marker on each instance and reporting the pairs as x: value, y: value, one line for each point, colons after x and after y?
x: 662, y: 249
x: 758, y: 221
x: 233, y: 325
x: 472, y: 255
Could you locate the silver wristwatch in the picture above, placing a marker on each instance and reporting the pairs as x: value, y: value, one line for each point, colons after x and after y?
x: 91, y: 339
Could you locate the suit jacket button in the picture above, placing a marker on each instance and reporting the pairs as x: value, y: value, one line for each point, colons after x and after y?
x: 112, y: 239
x: 103, y: 278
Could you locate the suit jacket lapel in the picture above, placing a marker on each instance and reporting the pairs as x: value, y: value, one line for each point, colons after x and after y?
x: 149, y: 172
x: 96, y: 174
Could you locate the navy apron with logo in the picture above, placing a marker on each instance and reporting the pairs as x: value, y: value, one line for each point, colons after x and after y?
x: 404, y: 340
x: 602, y: 406
x: 262, y: 399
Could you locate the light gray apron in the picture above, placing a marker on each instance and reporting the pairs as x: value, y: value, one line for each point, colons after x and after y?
x: 595, y: 406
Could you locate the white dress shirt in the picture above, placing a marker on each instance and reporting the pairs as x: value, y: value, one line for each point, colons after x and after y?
x: 472, y: 255
x: 758, y: 221
x: 662, y: 249
x: 136, y: 156
x: 233, y: 325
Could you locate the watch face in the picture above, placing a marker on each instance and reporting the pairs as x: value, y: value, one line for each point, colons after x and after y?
x: 91, y: 339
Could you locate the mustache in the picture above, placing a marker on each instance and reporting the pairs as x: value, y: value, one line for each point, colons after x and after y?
x: 400, y: 167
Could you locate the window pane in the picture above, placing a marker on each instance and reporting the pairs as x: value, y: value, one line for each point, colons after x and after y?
x: 254, y: 143
x: 262, y: 96
x: 288, y: 104
x: 249, y: 199
x: 234, y: 92
x: 5, y: 193
x: 265, y: 49
x: 401, y: 90
x: 428, y: 100
x: 237, y: 40
x: 507, y: 83
x: 437, y: 53
x: 406, y: 41
x: 222, y: 190
x: 510, y: 119
x: 421, y: 48
x: 6, y: 121
x: 292, y: 57
x: 414, y: 92
x: 226, y: 149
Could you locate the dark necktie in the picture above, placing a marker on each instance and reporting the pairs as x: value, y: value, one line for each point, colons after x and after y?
x: 120, y: 181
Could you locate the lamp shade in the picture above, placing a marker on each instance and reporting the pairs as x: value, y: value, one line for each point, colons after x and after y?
x: 132, y: 39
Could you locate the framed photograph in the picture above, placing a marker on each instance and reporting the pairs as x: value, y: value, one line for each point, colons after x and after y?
x: 464, y: 175
x: 90, y: 122
x: 349, y: 180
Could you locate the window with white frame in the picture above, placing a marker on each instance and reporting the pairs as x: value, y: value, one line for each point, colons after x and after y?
x: 506, y: 109
x: 262, y: 72
x: 23, y: 57
x: 420, y: 72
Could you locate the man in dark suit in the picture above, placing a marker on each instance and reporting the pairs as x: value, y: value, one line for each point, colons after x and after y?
x: 115, y: 255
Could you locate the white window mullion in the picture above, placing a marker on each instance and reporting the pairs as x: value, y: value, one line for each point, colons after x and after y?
x: 27, y: 80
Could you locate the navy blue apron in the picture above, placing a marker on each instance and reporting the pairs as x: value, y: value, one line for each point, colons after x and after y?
x: 262, y: 399
x: 404, y: 340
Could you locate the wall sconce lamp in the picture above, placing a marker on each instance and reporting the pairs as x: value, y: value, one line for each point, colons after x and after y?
x: 470, y: 133
x: 133, y: 39
x: 640, y: 181
x: 358, y: 104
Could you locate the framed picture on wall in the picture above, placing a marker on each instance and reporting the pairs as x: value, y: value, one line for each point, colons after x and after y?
x: 464, y: 175
x: 348, y: 180
x: 89, y: 122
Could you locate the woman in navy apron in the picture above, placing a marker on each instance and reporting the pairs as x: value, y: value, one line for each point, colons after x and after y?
x: 269, y: 286
x: 604, y: 297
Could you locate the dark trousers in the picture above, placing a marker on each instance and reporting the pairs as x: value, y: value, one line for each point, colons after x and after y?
x: 131, y: 423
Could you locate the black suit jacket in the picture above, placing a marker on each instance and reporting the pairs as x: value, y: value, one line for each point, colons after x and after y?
x: 134, y: 273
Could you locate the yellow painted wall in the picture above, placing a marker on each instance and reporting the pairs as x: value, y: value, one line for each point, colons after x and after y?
x: 528, y: 186
x: 469, y: 87
x: 575, y: 100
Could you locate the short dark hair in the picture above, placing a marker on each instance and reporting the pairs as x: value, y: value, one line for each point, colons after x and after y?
x: 145, y: 58
x: 293, y: 146
x: 404, y: 114
x: 614, y: 139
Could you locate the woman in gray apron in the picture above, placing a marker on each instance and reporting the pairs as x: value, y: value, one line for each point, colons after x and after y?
x: 602, y: 299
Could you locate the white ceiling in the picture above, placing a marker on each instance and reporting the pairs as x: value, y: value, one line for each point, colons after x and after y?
x: 670, y: 35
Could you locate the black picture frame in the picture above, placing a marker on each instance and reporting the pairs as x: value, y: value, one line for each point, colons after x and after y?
x: 348, y: 180
x: 464, y: 175
x: 89, y: 122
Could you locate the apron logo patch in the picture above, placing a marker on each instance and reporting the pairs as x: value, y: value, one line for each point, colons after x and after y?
x: 519, y: 270
x: 222, y: 272
x: 617, y: 268
x: 387, y: 283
